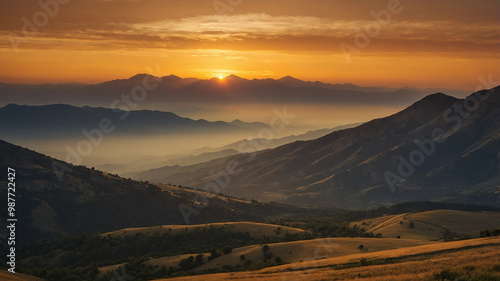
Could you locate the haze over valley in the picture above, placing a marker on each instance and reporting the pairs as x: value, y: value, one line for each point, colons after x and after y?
x: 151, y: 140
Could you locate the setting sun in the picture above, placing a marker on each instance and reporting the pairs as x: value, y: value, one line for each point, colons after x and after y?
x: 221, y: 77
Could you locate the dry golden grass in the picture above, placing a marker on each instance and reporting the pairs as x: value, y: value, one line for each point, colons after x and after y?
x: 174, y: 260
x: 253, y: 228
x: 105, y: 269
x: 298, y: 251
x: 290, y: 252
x: 469, y: 257
x: 8, y: 276
x: 174, y: 190
x: 430, y: 225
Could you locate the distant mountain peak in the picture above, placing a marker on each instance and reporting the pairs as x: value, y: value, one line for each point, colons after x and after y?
x: 140, y: 76
x: 437, y: 97
x: 233, y: 77
x: 289, y: 78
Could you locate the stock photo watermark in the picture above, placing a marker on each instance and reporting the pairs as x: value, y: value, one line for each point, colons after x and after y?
x: 221, y: 180
x: 311, y: 263
x: 223, y: 7
x: 364, y: 36
x: 11, y: 219
x: 426, y: 147
x: 31, y: 26
x: 121, y: 107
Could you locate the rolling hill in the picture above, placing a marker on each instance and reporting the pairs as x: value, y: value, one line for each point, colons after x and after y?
x: 7, y: 276
x: 477, y: 257
x: 432, y: 224
x: 64, y: 121
x: 433, y: 150
x: 59, y: 198
x: 253, y: 228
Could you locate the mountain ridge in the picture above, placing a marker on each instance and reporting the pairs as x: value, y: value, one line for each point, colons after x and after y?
x: 231, y: 89
x: 347, y: 168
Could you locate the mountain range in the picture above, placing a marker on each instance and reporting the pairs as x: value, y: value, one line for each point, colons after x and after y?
x: 55, y: 198
x: 231, y: 89
x: 62, y: 120
x: 440, y: 148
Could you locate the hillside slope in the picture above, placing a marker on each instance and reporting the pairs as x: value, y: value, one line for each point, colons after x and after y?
x: 432, y: 224
x: 478, y: 257
x: 254, y: 229
x: 435, y: 149
x: 56, y: 198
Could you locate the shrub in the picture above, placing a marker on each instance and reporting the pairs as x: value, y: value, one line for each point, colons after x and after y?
x: 268, y: 256
x: 363, y: 262
x: 187, y: 264
x: 199, y: 259
x: 277, y: 260
x: 399, y: 237
x: 227, y: 250
x: 446, y: 274
x: 412, y: 224
x: 265, y: 248
x: 214, y: 253
x: 361, y: 247
x: 495, y: 232
x: 242, y: 257
x: 485, y: 233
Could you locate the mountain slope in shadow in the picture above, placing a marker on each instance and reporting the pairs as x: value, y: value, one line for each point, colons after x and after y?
x: 439, y: 148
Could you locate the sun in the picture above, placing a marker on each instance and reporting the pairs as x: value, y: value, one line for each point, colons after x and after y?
x: 221, y: 77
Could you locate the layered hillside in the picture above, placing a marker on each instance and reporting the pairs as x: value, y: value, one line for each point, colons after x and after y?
x: 440, y: 148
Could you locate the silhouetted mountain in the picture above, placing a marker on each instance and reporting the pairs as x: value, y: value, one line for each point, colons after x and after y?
x: 61, y: 120
x: 231, y: 89
x: 440, y: 148
x: 56, y: 198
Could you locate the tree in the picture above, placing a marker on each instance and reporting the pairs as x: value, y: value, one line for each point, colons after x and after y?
x: 187, y: 264
x: 361, y: 247
x: 214, y: 253
x: 227, y: 250
x: 495, y: 232
x: 265, y: 248
x: 199, y: 259
x: 277, y: 260
x: 485, y: 233
x: 242, y: 257
x: 412, y: 225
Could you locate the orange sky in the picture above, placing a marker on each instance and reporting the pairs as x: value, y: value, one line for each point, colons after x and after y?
x: 424, y: 44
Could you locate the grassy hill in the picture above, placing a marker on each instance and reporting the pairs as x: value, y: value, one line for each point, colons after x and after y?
x: 431, y: 225
x: 63, y: 199
x: 7, y: 276
x: 476, y: 258
x: 253, y: 228
x: 317, y: 249
x: 287, y: 252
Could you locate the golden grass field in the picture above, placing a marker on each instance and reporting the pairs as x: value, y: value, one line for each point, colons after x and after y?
x: 468, y: 257
x: 8, y: 276
x: 430, y: 225
x: 253, y: 228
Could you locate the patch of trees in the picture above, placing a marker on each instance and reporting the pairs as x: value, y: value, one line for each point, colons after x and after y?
x: 488, y: 233
x: 72, y: 252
